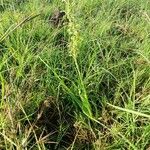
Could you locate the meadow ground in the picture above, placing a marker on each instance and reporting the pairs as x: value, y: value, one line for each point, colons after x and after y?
x: 81, y: 81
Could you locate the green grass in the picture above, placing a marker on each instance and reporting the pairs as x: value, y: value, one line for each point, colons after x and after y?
x: 93, y: 92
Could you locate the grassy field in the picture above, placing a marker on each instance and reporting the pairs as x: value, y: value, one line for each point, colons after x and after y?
x: 82, y: 83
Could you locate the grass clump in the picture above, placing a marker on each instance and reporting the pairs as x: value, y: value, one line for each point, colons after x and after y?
x: 81, y: 84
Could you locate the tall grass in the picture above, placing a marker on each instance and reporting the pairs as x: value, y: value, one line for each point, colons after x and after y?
x: 81, y: 85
